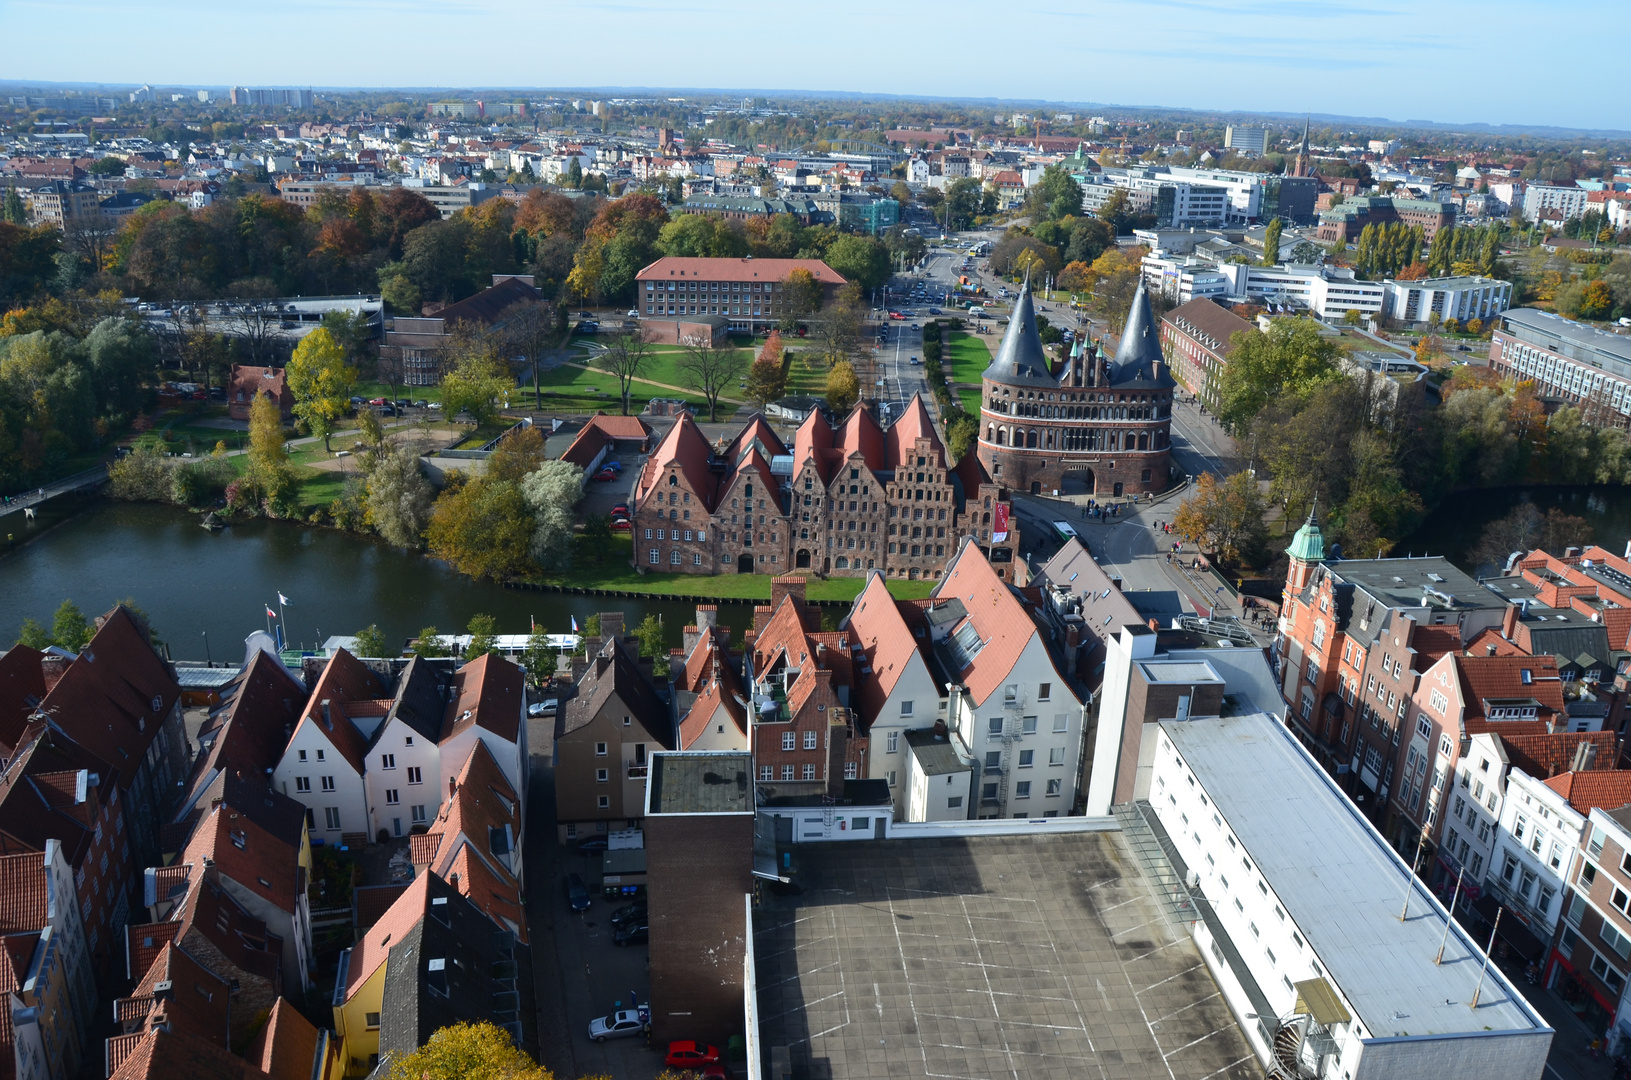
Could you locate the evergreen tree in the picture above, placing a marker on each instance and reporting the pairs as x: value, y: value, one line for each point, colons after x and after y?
x: 16, y: 212
x: 1271, y: 242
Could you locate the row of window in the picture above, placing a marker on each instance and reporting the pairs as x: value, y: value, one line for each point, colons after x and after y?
x: 416, y: 775
x: 1022, y: 790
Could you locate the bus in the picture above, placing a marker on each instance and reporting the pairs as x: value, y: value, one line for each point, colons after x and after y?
x: 1064, y: 532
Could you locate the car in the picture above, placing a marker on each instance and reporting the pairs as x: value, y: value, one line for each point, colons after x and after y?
x: 615, y: 466
x: 934, y: 311
x: 635, y: 912
x: 592, y: 846
x: 915, y: 326
x: 403, y: 403
x: 377, y: 401
x: 605, y: 476
x: 620, y: 1024
x: 896, y: 315
x: 633, y: 315
x: 622, y: 525
x: 716, y: 1071
x: 386, y: 410
x: 434, y: 405
x: 546, y: 707
x: 577, y: 897
x: 914, y: 361
x: 588, y: 328
x: 690, y: 1055
x: 421, y: 404
x: 358, y: 401
x: 635, y: 933
x: 586, y: 315
x: 620, y: 510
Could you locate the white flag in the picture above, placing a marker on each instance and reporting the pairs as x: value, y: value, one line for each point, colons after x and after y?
x: 284, y: 600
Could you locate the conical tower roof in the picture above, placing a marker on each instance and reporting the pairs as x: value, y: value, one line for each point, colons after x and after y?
x: 1309, y: 543
x: 1138, y: 358
x: 1020, y: 360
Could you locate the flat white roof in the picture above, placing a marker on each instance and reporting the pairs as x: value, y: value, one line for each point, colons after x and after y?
x: 1344, y: 886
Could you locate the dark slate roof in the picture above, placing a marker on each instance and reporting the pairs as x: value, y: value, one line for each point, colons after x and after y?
x: 421, y: 699
x: 489, y: 305
x: 1020, y: 360
x: 1138, y: 358
x: 455, y: 965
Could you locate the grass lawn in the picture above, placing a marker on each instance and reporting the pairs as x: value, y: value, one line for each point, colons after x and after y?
x: 615, y: 573
x: 966, y: 356
x: 808, y: 379
x: 970, y: 400
x: 573, y: 389
x: 412, y: 393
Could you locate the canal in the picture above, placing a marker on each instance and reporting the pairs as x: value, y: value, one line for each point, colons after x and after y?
x: 206, y: 591
x: 1454, y: 527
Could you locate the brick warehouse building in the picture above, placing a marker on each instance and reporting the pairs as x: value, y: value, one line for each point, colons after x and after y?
x: 841, y: 501
x: 1105, y: 424
x: 748, y: 292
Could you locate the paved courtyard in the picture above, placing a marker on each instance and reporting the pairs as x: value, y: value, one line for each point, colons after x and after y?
x: 995, y: 957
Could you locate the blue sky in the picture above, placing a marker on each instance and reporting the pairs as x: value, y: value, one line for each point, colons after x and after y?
x: 1453, y: 61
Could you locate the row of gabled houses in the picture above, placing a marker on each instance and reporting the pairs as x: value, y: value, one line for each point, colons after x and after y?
x: 972, y: 703
x: 127, y: 861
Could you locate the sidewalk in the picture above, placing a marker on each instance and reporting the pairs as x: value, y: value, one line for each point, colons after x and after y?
x: 1570, y: 1057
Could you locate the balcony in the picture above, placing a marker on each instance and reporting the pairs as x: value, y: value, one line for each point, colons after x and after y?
x: 637, y: 772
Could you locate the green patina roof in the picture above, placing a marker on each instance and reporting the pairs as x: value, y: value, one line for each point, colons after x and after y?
x: 1309, y: 543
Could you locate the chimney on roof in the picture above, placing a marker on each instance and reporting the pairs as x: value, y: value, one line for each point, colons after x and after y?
x: 689, y: 638
x: 1509, y: 623
x: 328, y: 722
x: 787, y: 585
x: 611, y: 624
x: 1571, y: 552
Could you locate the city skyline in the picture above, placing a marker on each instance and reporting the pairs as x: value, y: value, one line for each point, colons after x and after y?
x: 1263, y: 56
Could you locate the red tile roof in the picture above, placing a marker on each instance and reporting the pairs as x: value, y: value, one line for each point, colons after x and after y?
x: 345, y: 679
x: 1609, y: 789
x: 254, y: 858
x: 166, y: 1055
x: 115, y: 695
x: 486, y: 692
x: 285, y: 1048
x: 1489, y: 677
x: 624, y: 428
x: 1489, y: 642
x: 144, y: 942
x: 198, y: 1001
x: 586, y: 447
x: 23, y: 893
x: 369, y: 902
x: 997, y: 615
x: 686, y: 446
x: 375, y: 945
x: 1544, y: 756
x: 745, y: 269
x: 724, y: 693
x: 877, y: 624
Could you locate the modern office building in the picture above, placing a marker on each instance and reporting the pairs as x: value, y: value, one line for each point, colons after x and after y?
x: 1578, y: 364
x: 1459, y: 298
x: 1247, y: 138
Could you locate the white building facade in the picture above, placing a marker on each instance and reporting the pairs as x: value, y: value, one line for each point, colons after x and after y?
x: 1538, y: 841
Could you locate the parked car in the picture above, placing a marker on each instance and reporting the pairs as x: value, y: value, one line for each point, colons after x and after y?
x: 629, y: 913
x: 934, y: 311
x: 620, y: 510
x: 618, y: 1025
x: 592, y: 846
x: 635, y: 933
x: 376, y: 401
x: 546, y: 707
x: 421, y: 404
x: 434, y: 405
x: 915, y: 326
x: 622, y: 525
x: 690, y: 1055
x: 605, y: 476
x: 615, y: 466
x: 403, y: 403
x: 588, y: 328
x: 634, y: 314
x: 576, y: 895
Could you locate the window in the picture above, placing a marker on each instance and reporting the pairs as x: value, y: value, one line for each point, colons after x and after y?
x: 387, y: 761
x: 1616, y: 941
x: 602, y: 776
x: 604, y: 803
x: 415, y: 775
x: 328, y: 783
x: 331, y: 817
x: 600, y: 749
x: 893, y: 742
x: 419, y: 814
x: 1055, y: 786
x: 789, y: 740
x: 1599, y: 967
x: 372, y: 1020
x: 302, y: 755
x: 319, y: 755
x: 1619, y: 900
x: 809, y: 772
x: 787, y: 772
x: 1526, y: 883
x: 891, y: 777
x: 993, y: 727
x: 390, y: 797
x: 1022, y: 790
x: 408, y: 741
x: 302, y: 783
x: 953, y: 802
x: 1061, y: 722
x: 1028, y: 726
x: 1027, y: 758
x: 809, y: 740
x: 906, y: 708
x: 1056, y: 756
x: 1043, y: 690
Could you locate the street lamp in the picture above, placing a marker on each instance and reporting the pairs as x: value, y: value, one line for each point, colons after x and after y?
x: 207, y: 658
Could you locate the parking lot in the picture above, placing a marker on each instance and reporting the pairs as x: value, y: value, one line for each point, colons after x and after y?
x: 1010, y: 957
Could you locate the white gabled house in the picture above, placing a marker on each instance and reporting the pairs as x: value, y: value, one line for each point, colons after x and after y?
x: 894, y: 689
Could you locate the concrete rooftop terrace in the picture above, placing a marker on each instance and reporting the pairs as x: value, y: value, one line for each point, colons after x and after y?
x: 987, y: 957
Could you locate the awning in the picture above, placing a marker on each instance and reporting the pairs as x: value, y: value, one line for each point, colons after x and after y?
x: 1512, y: 929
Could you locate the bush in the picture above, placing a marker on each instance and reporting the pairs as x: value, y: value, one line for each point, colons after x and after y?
x: 141, y: 476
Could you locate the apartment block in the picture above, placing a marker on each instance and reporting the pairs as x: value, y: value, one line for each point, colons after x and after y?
x: 1577, y: 364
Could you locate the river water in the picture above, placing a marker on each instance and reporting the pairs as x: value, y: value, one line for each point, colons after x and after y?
x: 206, y: 591
x: 1455, y: 525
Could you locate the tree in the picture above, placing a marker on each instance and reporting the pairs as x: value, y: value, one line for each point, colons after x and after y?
x: 900, y: 192
x: 709, y: 370
x: 1116, y: 211
x: 550, y: 493
x: 1596, y: 301
x: 69, y: 627
x: 961, y: 434
x: 801, y: 296
x: 860, y: 259
x: 767, y: 378
x: 843, y: 388
x: 320, y: 380
x: 539, y: 657
x: 268, y: 470
x: 478, y: 378
x: 1056, y: 195
x: 625, y: 355
x: 517, y: 454
x: 1290, y: 358
x: 371, y: 642
x: 650, y: 635
x: 1271, y: 242
x: 483, y: 631
x: 962, y: 202
x: 16, y: 212
x: 399, y: 497
x: 468, y: 1051
x: 530, y: 331
x: 428, y: 644
x: 33, y: 635
x: 482, y: 528
x: 1225, y: 518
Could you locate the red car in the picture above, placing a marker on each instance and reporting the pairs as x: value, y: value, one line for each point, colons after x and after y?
x: 620, y: 510
x: 378, y: 401
x: 605, y: 476
x: 690, y: 1055
x: 896, y: 315
x: 622, y: 525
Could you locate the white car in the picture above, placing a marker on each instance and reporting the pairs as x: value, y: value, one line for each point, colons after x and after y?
x: 620, y: 1024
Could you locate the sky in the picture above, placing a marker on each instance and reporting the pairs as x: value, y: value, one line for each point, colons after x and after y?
x: 1454, y: 61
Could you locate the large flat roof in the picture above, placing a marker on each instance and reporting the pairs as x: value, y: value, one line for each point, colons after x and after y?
x: 700, y: 782
x: 1554, y: 333
x: 1343, y: 886
x: 1012, y: 957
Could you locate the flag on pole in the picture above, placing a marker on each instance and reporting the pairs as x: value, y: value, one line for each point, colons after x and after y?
x: 270, y: 614
x: 574, y: 624
x: 283, y: 601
